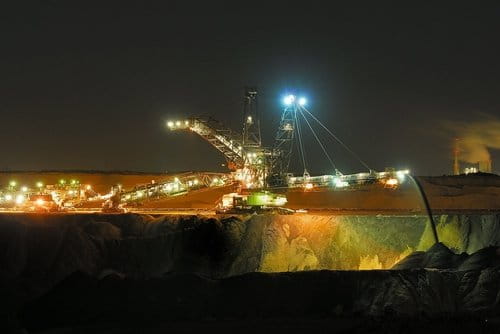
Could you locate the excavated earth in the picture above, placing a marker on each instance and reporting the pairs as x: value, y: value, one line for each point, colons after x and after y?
x: 128, y: 273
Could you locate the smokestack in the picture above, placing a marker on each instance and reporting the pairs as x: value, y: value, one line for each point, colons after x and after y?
x: 456, y: 164
x: 476, y: 139
x: 485, y: 166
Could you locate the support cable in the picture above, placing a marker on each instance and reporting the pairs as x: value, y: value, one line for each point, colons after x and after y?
x: 319, y: 141
x: 337, y: 139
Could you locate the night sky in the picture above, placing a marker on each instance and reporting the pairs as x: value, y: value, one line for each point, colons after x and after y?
x: 91, y: 87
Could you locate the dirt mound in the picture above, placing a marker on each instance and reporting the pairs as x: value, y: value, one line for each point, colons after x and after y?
x: 441, y: 257
x: 103, y: 230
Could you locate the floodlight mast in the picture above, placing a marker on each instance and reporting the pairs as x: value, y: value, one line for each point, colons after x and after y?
x: 251, y: 120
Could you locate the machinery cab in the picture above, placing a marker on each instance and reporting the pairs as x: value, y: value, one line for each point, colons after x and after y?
x: 257, y: 201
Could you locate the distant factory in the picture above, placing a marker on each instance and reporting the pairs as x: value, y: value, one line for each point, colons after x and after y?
x: 483, y: 166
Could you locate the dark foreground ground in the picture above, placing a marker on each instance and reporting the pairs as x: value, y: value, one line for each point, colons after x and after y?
x: 336, y: 325
x: 136, y: 274
x: 406, y: 301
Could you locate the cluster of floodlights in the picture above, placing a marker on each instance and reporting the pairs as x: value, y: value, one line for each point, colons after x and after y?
x: 291, y: 99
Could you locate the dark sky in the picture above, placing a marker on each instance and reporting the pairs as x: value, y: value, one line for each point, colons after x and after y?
x: 91, y: 86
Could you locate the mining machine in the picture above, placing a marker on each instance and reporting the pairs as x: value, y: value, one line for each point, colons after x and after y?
x: 252, y: 164
x: 257, y: 167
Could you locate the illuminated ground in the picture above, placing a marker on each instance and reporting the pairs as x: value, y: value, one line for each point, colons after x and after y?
x: 471, y: 193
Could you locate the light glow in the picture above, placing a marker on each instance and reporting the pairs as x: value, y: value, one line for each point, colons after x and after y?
x: 289, y: 99
x: 280, y: 201
x: 339, y: 183
x: 302, y: 101
x: 392, y: 182
x: 20, y: 199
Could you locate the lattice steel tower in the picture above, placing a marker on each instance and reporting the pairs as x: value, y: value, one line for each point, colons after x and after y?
x: 251, y: 125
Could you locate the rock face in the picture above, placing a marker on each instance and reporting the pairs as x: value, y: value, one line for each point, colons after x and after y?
x: 219, y: 260
x: 47, y: 248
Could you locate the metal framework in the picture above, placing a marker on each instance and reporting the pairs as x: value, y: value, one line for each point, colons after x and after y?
x: 255, y: 166
x: 244, y: 153
x: 279, y: 163
x: 174, y: 186
x: 251, y: 124
x: 226, y: 141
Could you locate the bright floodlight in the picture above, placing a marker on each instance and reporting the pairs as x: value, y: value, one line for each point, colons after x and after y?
x: 170, y: 124
x: 288, y: 100
x: 302, y: 101
x: 20, y: 199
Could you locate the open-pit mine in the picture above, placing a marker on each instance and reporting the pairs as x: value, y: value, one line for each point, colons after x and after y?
x: 87, y: 250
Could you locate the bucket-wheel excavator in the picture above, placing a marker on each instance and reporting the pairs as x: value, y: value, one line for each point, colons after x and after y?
x: 260, y: 169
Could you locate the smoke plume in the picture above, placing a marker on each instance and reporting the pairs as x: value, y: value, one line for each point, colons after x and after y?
x: 476, y: 138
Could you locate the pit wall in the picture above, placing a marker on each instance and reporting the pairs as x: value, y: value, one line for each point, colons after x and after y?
x: 44, y: 249
x: 292, y: 243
